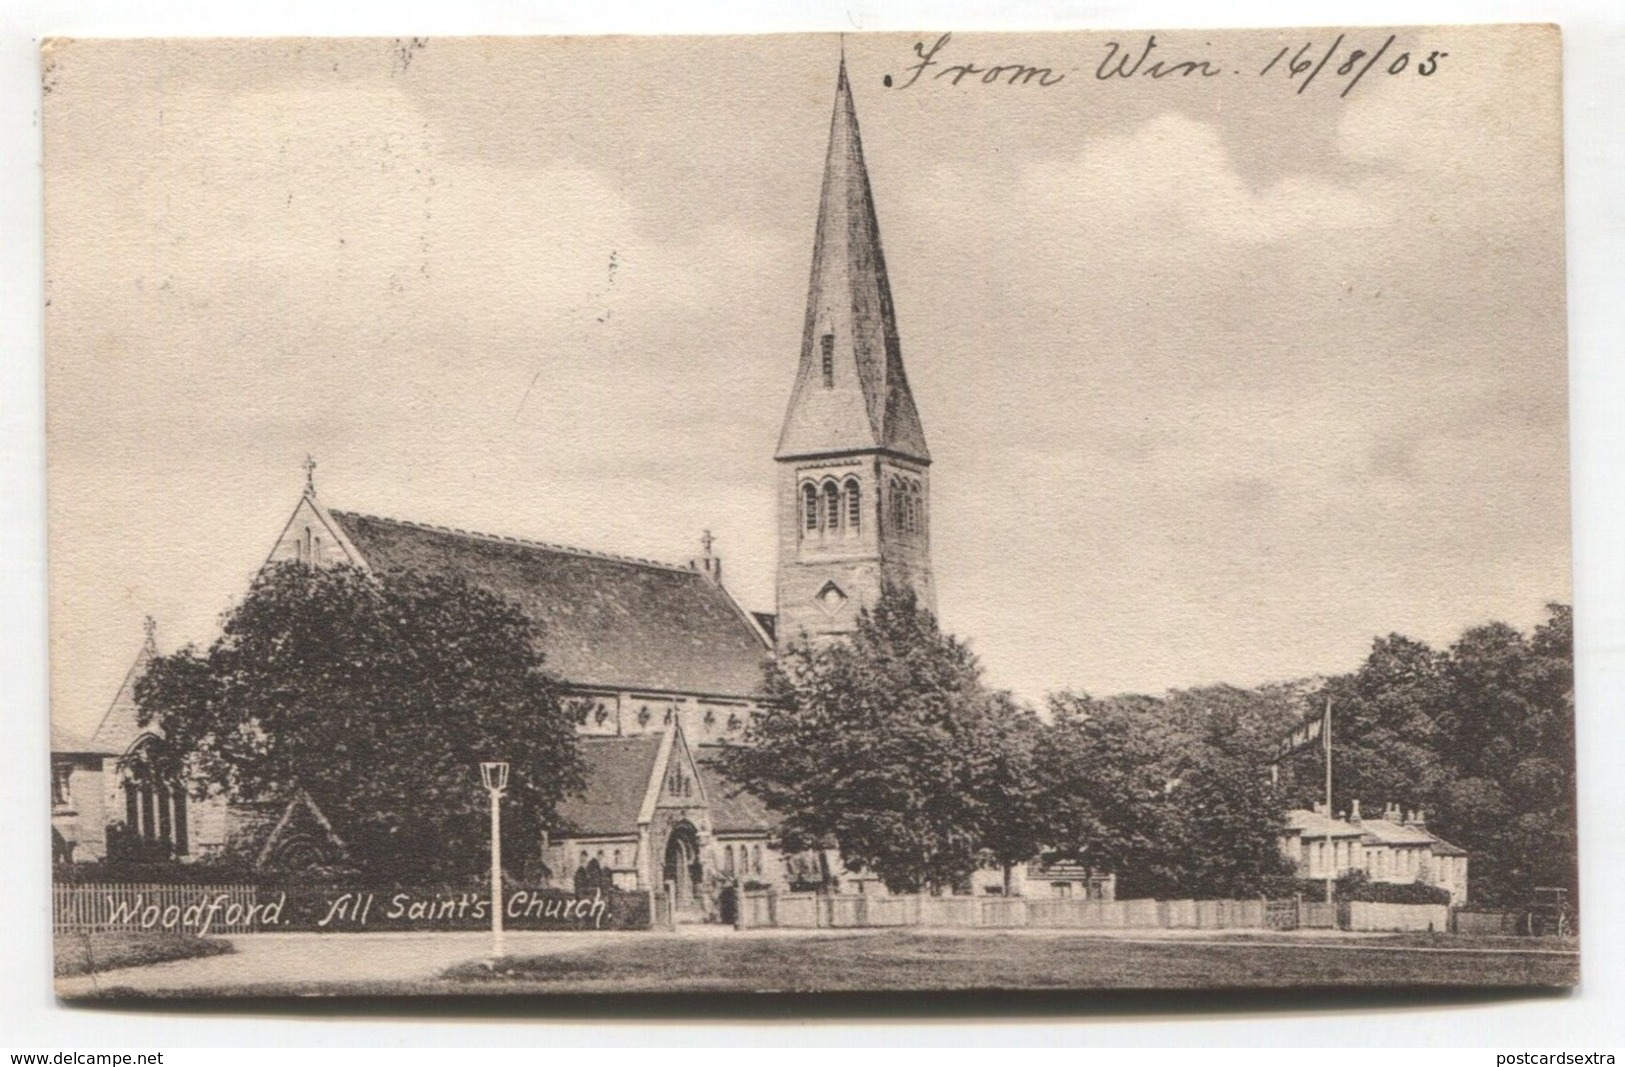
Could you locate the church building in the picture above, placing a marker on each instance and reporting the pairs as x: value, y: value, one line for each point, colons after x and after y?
x: 659, y: 662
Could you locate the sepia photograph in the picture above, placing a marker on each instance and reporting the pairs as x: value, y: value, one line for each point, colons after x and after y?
x: 809, y: 514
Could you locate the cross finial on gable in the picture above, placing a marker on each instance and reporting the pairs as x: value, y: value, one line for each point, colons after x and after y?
x: 149, y: 626
x: 310, y: 474
x: 706, y: 541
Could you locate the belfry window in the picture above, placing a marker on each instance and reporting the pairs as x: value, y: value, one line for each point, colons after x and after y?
x: 828, y: 343
x: 854, y: 507
x: 832, y: 507
x: 809, y: 506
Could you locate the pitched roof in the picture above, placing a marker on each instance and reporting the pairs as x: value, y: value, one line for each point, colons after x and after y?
x: 867, y: 403
x: 618, y: 770
x: 1441, y: 847
x: 1313, y: 824
x: 733, y: 809
x: 121, y: 726
x: 1383, y: 832
x: 65, y: 741
x: 605, y: 620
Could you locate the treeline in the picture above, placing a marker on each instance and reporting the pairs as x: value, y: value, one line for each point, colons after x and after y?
x: 1479, y: 737
x: 891, y: 746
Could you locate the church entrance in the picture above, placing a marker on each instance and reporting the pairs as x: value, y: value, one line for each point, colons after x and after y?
x: 684, y: 875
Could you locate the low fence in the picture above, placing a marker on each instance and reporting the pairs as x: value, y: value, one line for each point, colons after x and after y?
x: 1367, y: 915
x: 816, y: 910
x: 90, y: 908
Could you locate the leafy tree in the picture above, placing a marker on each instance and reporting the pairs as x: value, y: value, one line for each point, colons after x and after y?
x: 1172, y: 793
x: 888, y: 744
x: 378, y: 695
x: 1388, y: 729
x: 1013, y: 790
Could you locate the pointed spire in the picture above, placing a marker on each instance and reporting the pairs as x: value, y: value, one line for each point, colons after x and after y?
x: 851, y: 392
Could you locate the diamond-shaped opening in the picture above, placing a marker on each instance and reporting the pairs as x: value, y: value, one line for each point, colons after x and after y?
x: 830, y: 597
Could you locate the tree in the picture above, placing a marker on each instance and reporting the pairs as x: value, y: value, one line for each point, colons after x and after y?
x: 1172, y: 793
x: 1012, y: 789
x: 1511, y: 801
x: 889, y: 745
x: 377, y: 694
x: 1388, y: 730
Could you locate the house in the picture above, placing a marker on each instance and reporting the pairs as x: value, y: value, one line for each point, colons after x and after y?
x: 78, y: 810
x: 1396, y: 848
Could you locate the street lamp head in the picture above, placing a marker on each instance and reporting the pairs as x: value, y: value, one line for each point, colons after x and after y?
x: 495, y: 776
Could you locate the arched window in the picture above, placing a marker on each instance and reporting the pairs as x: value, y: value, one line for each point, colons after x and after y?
x: 756, y: 859
x: 854, y: 507
x: 832, y: 506
x: 809, y: 506
x: 617, y: 857
x: 154, y: 811
x: 583, y: 862
x: 894, y: 504
x: 827, y: 342
x: 728, y: 859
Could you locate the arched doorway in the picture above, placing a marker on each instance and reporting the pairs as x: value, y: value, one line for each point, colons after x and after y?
x: 684, y: 872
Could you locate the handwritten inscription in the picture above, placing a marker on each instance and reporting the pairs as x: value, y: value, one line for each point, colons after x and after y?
x: 985, y: 73
x: 1344, y: 61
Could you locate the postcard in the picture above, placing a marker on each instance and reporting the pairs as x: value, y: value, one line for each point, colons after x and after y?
x: 891, y: 512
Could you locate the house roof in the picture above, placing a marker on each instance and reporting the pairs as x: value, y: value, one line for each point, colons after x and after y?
x: 733, y: 809
x: 1312, y: 824
x: 606, y: 620
x: 1383, y: 832
x: 618, y: 770
x: 65, y: 741
x: 1441, y: 847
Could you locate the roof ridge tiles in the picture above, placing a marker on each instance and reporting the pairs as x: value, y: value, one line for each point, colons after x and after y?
x: 525, y: 541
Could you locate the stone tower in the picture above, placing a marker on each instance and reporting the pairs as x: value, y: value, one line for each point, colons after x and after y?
x: 854, y: 491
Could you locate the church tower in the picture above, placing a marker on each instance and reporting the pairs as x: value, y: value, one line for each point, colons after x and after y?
x: 854, y: 491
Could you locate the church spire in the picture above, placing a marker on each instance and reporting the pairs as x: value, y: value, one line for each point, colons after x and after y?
x: 851, y: 393
x: 854, y: 473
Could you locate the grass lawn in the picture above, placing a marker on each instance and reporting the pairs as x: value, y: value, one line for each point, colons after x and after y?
x: 83, y: 953
x: 911, y: 960
x: 899, y: 961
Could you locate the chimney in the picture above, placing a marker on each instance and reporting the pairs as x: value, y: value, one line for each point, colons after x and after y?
x: 708, y: 564
x: 1419, y: 819
x: 1354, y: 812
x: 1320, y: 807
x: 1391, y: 813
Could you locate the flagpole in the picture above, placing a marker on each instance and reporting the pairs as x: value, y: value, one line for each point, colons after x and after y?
x: 1331, y: 864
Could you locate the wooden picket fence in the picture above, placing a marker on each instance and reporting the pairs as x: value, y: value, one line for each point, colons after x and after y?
x: 89, y: 907
x: 819, y: 910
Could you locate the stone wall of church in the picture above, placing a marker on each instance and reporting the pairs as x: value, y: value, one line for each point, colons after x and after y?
x: 705, y: 720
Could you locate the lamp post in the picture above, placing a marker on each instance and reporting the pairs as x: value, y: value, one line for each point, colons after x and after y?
x: 495, y: 777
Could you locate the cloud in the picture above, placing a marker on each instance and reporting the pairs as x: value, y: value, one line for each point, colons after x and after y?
x: 1174, y: 170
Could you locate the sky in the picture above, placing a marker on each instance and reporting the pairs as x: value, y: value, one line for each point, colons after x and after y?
x: 1220, y: 379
